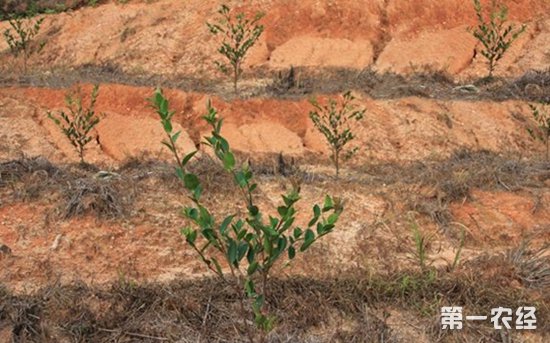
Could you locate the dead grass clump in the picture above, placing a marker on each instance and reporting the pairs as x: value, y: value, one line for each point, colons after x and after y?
x: 531, y: 265
x: 533, y: 85
x: 275, y: 164
x: 140, y: 168
x: 104, y: 197
x: 287, y: 83
x: 212, y: 175
x: 29, y: 177
x: 15, y: 170
x: 429, y: 186
x: 436, y: 209
x: 23, y: 315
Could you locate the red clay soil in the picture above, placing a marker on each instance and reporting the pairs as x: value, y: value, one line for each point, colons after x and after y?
x: 403, y: 129
x: 171, y: 36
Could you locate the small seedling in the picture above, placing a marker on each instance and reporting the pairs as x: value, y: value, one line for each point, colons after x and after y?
x: 239, y: 35
x: 335, y: 123
x: 20, y: 36
x: 494, y: 34
x: 78, y: 123
x: 421, y: 245
x: 542, y: 132
x: 249, y: 246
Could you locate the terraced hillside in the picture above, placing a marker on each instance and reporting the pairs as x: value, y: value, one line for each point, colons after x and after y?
x: 447, y: 201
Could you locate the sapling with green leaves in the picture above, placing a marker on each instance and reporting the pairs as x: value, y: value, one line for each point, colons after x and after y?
x: 247, y: 246
x: 78, y: 123
x: 541, y: 114
x: 335, y: 121
x: 20, y: 36
x: 494, y: 34
x: 239, y: 35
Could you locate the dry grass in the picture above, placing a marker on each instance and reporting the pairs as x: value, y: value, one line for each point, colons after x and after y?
x: 347, y: 309
x: 21, y: 7
x: 28, y: 177
x: 531, y: 264
x: 452, y: 179
x: 106, y: 198
x: 79, y: 189
x: 302, y: 82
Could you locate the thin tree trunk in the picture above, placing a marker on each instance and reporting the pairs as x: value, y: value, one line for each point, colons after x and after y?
x: 25, y: 61
x: 547, y: 148
x: 336, y: 155
x: 81, y: 154
x: 491, y: 68
x: 236, y: 78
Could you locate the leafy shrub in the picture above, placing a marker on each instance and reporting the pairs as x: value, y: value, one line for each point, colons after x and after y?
x: 249, y: 246
x: 24, y: 31
x: 542, y: 132
x: 78, y: 123
x: 495, y: 36
x: 334, y: 122
x: 239, y: 35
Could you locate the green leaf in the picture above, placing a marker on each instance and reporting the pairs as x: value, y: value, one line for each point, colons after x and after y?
x: 217, y: 265
x: 225, y: 224
x: 309, y: 238
x: 270, y: 231
x: 297, y: 233
x: 333, y: 218
x: 287, y: 224
x: 175, y: 136
x: 180, y: 173
x: 250, y: 255
x: 312, y: 221
x: 273, y: 221
x: 259, y: 301
x: 252, y: 268
x: 189, y: 234
x: 192, y: 237
x: 188, y: 157
x: 167, y: 126
x: 253, y: 210
x: 291, y: 252
x: 191, y: 181
x: 241, y: 179
x: 242, y: 234
x: 316, y: 211
x: 197, y: 192
x: 191, y: 213
x: 241, y: 251
x: 281, y: 246
x: 168, y: 145
x: 228, y: 161
x: 328, y: 205
x: 249, y: 288
x: 232, y: 252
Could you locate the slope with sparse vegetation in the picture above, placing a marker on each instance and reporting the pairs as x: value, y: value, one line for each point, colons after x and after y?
x: 445, y: 203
